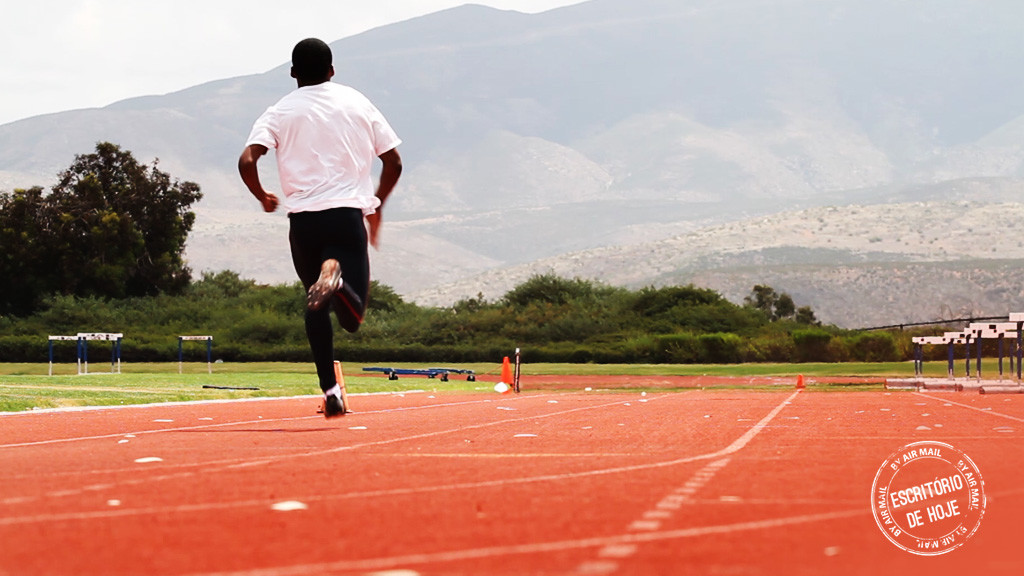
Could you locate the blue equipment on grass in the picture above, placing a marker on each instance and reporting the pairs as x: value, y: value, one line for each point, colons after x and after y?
x: 443, y: 373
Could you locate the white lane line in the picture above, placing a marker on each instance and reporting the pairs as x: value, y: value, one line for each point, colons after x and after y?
x: 604, y: 542
x: 640, y: 525
x: 227, y: 465
x: 985, y: 410
x: 139, y: 432
x: 665, y: 509
x: 224, y: 424
x: 617, y: 551
x: 245, y: 422
x: 598, y: 567
x: 231, y: 464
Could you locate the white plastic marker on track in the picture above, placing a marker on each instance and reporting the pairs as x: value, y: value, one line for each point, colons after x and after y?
x: 289, y: 506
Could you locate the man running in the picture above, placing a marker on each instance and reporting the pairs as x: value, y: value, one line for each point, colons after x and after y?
x: 326, y: 136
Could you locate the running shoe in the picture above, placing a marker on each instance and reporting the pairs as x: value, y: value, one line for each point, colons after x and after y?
x: 334, y: 406
x: 326, y: 285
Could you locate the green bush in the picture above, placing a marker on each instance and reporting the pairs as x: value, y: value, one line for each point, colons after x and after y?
x: 556, y: 320
x: 873, y: 347
x: 682, y: 348
x: 721, y: 348
x: 773, y: 347
x: 812, y: 345
x: 34, y: 349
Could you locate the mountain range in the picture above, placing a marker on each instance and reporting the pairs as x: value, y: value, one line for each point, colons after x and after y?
x: 865, y: 156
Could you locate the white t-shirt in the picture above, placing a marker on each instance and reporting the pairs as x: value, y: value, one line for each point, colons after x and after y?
x: 326, y: 138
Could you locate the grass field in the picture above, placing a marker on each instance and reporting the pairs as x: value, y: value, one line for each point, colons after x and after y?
x: 28, y: 386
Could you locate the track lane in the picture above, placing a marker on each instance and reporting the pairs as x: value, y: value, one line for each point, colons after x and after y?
x: 568, y: 483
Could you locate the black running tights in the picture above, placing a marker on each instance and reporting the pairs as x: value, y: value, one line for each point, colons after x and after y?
x: 337, y: 233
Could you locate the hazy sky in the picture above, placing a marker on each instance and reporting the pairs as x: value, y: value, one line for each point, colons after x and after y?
x: 58, y: 55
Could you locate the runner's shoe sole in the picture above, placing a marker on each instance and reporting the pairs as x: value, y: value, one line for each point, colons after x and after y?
x: 327, y: 285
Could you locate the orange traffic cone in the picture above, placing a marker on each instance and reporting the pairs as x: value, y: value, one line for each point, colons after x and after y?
x: 340, y: 379
x: 800, y: 382
x: 506, y: 374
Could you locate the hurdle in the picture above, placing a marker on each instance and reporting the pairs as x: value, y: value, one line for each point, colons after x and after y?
x: 998, y: 331
x: 78, y: 350
x: 919, y: 343
x: 83, y: 346
x: 919, y: 382
x: 1018, y: 319
x: 209, y: 350
x: 976, y: 334
x: 954, y: 338
x: 1003, y: 330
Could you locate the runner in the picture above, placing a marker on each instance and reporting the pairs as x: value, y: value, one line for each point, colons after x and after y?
x: 325, y: 136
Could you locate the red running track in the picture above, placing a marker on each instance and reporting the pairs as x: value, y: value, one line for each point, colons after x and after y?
x: 704, y: 482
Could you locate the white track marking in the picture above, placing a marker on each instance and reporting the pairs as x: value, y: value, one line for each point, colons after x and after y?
x: 733, y: 447
x: 289, y: 506
x: 541, y: 547
x: 155, y: 405
x: 666, y: 508
x: 153, y: 431
x: 232, y: 464
x: 976, y: 409
x: 223, y: 424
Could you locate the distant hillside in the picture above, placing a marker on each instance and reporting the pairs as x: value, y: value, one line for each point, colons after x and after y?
x: 612, y: 124
x: 857, y: 266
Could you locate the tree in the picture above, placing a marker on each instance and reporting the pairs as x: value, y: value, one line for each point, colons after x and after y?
x: 549, y: 289
x: 110, y: 227
x: 130, y: 224
x: 784, y: 307
x: 777, y: 306
x: 383, y: 298
x: 805, y: 315
x: 762, y: 298
x: 26, y: 246
x: 652, y: 301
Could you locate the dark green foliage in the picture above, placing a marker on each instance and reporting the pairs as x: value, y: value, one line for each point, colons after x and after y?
x: 110, y: 228
x: 548, y: 289
x: 681, y: 348
x: 570, y: 321
x: 23, y: 247
x: 383, y: 298
x: 776, y: 306
x: 771, y: 347
x: 874, y: 347
x: 719, y: 348
x: 102, y: 252
x: 812, y: 345
x: 805, y: 315
x: 762, y: 298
